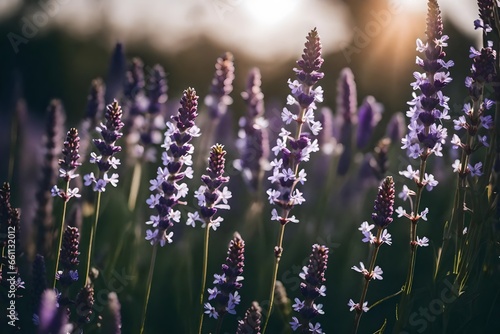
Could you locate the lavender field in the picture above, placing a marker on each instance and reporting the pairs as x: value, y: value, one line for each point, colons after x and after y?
x: 342, y: 178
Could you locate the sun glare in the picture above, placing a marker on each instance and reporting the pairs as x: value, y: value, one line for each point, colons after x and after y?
x: 270, y: 11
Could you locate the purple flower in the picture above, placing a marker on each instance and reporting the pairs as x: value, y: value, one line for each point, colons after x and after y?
x: 384, y: 204
x: 110, y: 133
x: 429, y: 108
x: 210, y: 197
x: 84, y: 304
x: 346, y: 111
x: 311, y: 287
x: 252, y: 320
x: 218, y: 99
x: 253, y: 140
x: 69, y: 262
x: 486, y: 19
x: 157, y: 90
x: 225, y: 293
x: 51, y: 318
x: 369, y: 114
x: 68, y: 164
x: 167, y: 191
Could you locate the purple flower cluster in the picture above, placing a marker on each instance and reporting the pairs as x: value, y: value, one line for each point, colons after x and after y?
x: 167, y: 191
x: 222, y: 85
x: 69, y: 262
x: 383, y: 210
x: 224, y: 294
x: 311, y: 287
x: 475, y: 118
x: 486, y: 19
x: 85, y: 304
x: 253, y: 140
x: 426, y: 135
x: 346, y: 114
x: 145, y: 102
x: 210, y: 197
x: 67, y: 166
x: 427, y: 110
x: 251, y: 322
x: 107, y: 148
x: 292, y: 150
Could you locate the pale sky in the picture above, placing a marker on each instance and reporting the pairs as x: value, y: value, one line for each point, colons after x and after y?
x: 263, y: 29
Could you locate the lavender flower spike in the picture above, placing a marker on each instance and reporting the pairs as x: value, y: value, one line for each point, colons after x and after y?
x: 312, y: 286
x: 251, y: 323
x: 291, y: 151
x: 222, y: 85
x: 253, y: 141
x: 166, y: 189
x: 68, y: 164
x: 346, y: 109
x: 210, y: 197
x: 51, y: 319
x: 105, y: 160
x: 426, y: 135
x: 84, y: 304
x: 225, y: 293
x: 69, y: 262
x: 486, y: 19
x: 383, y: 208
x: 369, y: 114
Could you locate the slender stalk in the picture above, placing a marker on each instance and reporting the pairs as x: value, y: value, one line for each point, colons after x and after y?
x: 403, y: 305
x: 359, y: 312
x: 135, y: 186
x: 385, y: 298
x: 204, y: 273
x: 413, y: 228
x: 277, y: 259
x: 279, y: 245
x: 93, y: 229
x: 61, y: 231
x: 148, y: 285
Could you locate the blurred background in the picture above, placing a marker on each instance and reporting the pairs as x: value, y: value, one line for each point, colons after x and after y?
x: 55, y: 48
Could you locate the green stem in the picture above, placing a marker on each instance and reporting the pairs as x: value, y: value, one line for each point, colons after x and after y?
x: 405, y: 298
x: 61, y: 232
x: 359, y: 312
x: 93, y: 229
x: 134, y: 187
x: 385, y: 298
x: 279, y: 246
x: 278, y: 252
x: 204, y: 273
x: 148, y: 286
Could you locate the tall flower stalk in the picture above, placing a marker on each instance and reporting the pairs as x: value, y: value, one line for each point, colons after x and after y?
x: 54, y: 137
x: 426, y: 135
x: 218, y: 100
x: 105, y: 160
x: 224, y: 295
x: 253, y: 142
x: 383, y: 210
x: 67, y: 167
x: 210, y: 199
x: 290, y: 150
x: 474, y: 120
x: 167, y: 191
x: 311, y: 287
